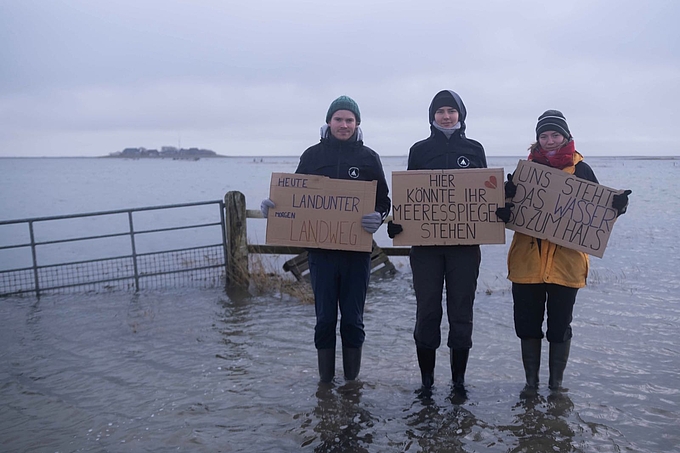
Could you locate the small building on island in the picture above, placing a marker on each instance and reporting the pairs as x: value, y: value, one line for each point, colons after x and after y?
x: 165, y: 152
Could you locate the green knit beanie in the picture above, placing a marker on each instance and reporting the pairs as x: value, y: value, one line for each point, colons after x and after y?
x: 343, y: 103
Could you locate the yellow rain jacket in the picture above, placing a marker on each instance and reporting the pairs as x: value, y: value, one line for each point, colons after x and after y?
x: 548, y: 263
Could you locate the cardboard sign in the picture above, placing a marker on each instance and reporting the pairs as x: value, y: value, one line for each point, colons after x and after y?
x: 554, y: 205
x: 320, y: 212
x: 448, y: 207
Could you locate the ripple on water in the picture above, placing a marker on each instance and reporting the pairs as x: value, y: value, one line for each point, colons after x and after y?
x: 198, y: 371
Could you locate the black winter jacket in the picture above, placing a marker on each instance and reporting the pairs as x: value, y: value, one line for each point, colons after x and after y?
x: 582, y: 170
x: 440, y: 153
x: 347, y: 159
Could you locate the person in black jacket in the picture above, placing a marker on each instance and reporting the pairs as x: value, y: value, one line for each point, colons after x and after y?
x: 458, y: 265
x: 340, y: 278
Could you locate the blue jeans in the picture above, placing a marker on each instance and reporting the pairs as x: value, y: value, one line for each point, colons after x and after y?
x: 339, y: 279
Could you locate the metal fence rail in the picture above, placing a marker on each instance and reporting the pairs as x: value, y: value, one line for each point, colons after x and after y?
x: 34, y: 243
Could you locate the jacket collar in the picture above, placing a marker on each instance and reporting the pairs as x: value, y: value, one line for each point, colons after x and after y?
x: 572, y: 168
x: 354, y: 141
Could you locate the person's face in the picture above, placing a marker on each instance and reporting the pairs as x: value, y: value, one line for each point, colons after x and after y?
x: 446, y: 116
x: 551, y: 140
x: 343, y: 124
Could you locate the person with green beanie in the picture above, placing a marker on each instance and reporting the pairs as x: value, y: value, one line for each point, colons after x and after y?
x: 340, y: 278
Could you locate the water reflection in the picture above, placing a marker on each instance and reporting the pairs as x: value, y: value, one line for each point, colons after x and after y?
x: 233, y: 327
x: 344, y: 425
x: 438, y: 428
x: 458, y: 396
x: 541, y: 425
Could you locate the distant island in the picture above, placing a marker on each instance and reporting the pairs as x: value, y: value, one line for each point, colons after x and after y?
x: 165, y: 152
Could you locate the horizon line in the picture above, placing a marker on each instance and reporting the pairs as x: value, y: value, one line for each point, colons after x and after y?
x: 218, y: 156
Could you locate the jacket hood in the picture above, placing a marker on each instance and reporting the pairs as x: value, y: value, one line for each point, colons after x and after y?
x: 460, y: 106
x: 578, y: 157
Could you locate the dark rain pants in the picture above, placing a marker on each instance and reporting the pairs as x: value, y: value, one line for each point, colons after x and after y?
x: 458, y: 266
x: 339, y: 279
x: 529, y: 304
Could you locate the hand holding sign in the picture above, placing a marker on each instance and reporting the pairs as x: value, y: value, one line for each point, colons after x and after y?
x: 510, y: 187
x: 371, y: 222
x: 393, y: 229
x: 620, y: 201
x: 504, y: 212
x: 265, y: 205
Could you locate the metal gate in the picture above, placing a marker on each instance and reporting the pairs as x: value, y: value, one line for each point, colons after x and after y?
x: 128, y: 249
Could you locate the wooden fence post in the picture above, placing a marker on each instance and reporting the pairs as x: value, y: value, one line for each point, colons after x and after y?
x: 238, y: 275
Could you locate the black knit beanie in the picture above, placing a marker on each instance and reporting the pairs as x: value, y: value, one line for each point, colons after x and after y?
x: 553, y: 120
x: 343, y: 103
x: 443, y: 99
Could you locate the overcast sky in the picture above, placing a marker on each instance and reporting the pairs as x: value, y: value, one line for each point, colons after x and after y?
x: 249, y: 77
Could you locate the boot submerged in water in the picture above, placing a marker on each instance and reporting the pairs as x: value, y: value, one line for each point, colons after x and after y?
x: 557, y: 361
x: 459, y: 360
x: 426, y: 361
x: 326, y: 359
x: 531, y: 360
x: 351, y: 362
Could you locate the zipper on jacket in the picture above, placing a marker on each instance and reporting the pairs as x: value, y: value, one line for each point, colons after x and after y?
x: 448, y: 149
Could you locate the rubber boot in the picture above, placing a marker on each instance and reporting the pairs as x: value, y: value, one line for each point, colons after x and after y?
x: 426, y: 360
x: 351, y: 362
x: 557, y: 361
x: 531, y: 359
x: 459, y: 360
x: 326, y: 364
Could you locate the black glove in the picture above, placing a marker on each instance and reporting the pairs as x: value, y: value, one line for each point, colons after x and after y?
x: 620, y: 201
x: 504, y: 212
x: 393, y: 229
x: 510, y: 187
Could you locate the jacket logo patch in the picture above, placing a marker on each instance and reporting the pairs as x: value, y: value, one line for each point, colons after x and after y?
x: 463, y: 162
x: 353, y: 172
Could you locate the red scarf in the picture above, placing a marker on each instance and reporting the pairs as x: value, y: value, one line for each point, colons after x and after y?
x: 563, y: 157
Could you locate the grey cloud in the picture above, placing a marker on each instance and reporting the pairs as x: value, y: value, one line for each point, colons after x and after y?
x: 248, y: 75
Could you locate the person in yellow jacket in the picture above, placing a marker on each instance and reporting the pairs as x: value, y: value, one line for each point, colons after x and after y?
x: 544, y: 274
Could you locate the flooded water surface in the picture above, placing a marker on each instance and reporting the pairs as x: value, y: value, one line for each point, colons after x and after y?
x: 200, y: 371
x: 208, y: 371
